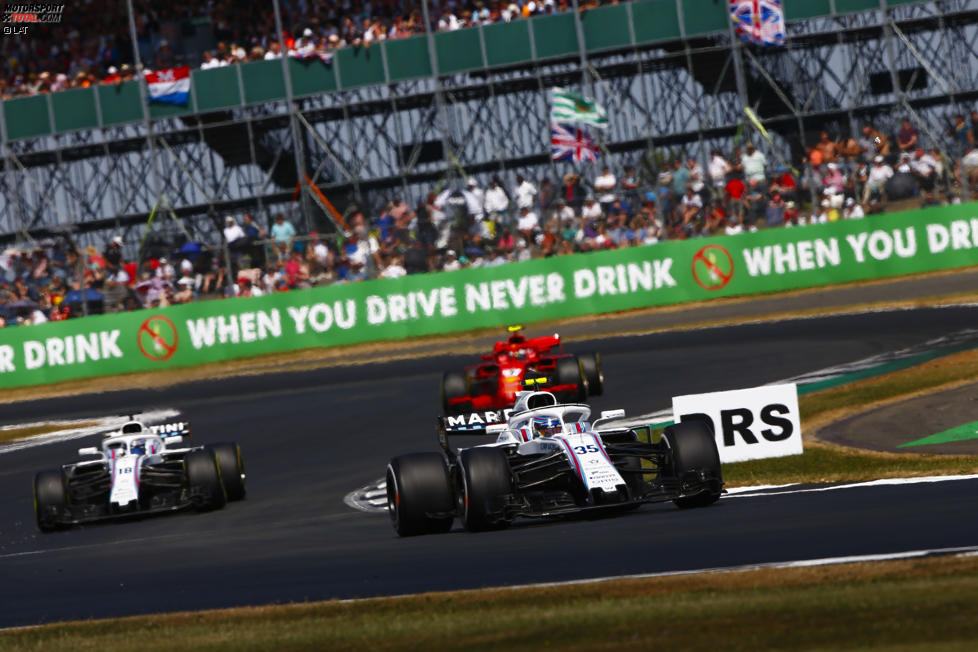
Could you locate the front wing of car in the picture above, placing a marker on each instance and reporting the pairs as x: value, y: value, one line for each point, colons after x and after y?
x: 80, y: 516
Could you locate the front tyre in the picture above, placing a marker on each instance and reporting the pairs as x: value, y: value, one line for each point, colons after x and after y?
x: 50, y: 500
x: 203, y: 476
x: 695, y: 456
x: 231, y: 465
x: 486, y: 483
x: 419, y: 494
x: 568, y: 371
x: 591, y: 365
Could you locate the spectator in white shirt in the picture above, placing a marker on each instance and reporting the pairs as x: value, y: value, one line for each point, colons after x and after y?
x: 563, y: 211
x: 526, y: 193
x: 528, y: 224
x: 474, y: 199
x: 210, y: 61
x: 605, y: 185
x: 322, y: 254
x: 754, y: 163
x: 394, y: 269
x: 449, y: 22
x: 451, y: 262
x: 274, y: 51
x: 852, y: 210
x: 879, y: 174
x: 306, y: 46
x: 695, y: 174
x: 232, y: 231
x: 496, y: 200
x: 591, y: 210
x: 719, y: 168
x: 165, y: 269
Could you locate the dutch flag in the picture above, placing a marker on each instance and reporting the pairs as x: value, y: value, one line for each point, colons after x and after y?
x: 171, y: 85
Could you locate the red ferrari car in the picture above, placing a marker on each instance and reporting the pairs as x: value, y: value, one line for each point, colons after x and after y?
x: 493, y: 383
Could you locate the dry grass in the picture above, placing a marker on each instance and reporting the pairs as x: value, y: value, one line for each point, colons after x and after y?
x: 923, y: 603
x: 13, y: 434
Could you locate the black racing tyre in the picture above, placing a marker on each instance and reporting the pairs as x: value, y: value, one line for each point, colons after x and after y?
x: 694, y: 450
x: 568, y: 371
x: 50, y: 500
x: 231, y: 463
x: 419, y: 485
x: 454, y: 384
x: 204, y: 480
x: 591, y: 364
x: 486, y: 480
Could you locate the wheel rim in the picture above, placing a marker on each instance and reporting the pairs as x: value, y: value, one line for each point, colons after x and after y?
x: 465, y: 498
x: 393, y: 498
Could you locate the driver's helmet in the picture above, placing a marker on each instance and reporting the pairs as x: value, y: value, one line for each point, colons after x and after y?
x: 137, y: 447
x: 546, y: 426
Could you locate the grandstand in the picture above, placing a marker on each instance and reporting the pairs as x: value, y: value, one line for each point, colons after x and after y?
x: 420, y: 111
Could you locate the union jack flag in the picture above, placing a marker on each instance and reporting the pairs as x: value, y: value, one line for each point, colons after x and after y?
x: 759, y: 21
x: 325, y: 57
x: 572, y: 143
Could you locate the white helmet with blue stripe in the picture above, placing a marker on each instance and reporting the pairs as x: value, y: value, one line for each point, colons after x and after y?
x: 546, y: 426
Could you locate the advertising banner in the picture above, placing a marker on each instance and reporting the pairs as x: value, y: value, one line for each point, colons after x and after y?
x: 582, y: 284
x: 749, y: 424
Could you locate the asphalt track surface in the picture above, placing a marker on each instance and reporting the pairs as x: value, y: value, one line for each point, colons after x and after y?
x: 311, y: 437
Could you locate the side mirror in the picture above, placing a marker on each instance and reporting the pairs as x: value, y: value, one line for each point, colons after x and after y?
x: 89, y: 450
x: 170, y: 441
x: 612, y: 414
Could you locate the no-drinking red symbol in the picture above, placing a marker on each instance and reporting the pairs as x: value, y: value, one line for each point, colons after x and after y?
x: 713, y: 267
x: 157, y: 338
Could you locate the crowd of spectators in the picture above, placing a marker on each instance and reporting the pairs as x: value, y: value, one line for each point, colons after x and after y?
x: 838, y: 178
x: 475, y: 226
x: 92, y: 43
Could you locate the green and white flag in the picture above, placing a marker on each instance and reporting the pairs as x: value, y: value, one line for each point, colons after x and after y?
x: 574, y: 107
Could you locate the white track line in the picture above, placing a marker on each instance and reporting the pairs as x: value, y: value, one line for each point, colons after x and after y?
x: 743, y: 492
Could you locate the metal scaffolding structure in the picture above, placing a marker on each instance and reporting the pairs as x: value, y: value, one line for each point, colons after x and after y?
x: 176, y: 177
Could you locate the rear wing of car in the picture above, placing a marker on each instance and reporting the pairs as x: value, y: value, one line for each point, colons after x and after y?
x: 472, y: 424
x: 544, y: 342
x: 172, y: 429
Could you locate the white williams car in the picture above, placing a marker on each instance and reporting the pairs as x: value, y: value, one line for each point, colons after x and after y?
x: 548, y: 460
x: 138, y: 470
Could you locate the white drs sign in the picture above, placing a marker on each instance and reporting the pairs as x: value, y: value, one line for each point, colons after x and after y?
x: 749, y: 424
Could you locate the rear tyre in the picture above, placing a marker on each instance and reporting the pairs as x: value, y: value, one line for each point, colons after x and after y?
x: 694, y: 450
x: 591, y: 364
x: 231, y: 464
x: 454, y: 384
x: 50, y: 500
x: 568, y: 371
x: 419, y: 485
x: 204, y: 480
x: 486, y: 482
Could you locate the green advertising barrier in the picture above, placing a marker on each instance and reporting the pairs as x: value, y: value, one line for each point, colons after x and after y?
x: 665, y: 273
